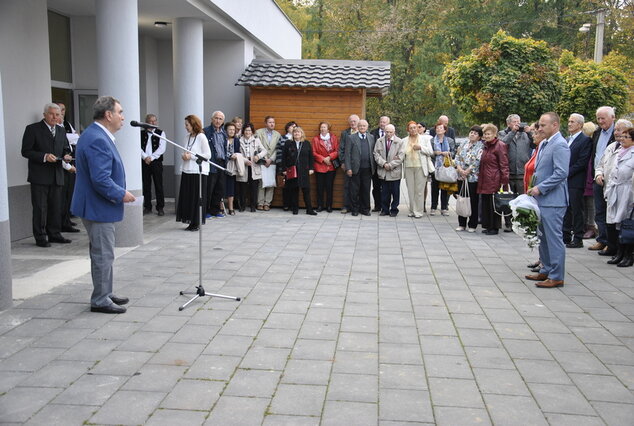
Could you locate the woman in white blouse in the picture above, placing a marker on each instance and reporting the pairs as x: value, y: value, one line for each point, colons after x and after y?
x: 187, y: 210
x: 418, y: 166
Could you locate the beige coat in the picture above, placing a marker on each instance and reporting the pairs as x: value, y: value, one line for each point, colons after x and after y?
x: 249, y: 149
x: 394, y: 158
x: 606, y: 163
x: 271, y: 151
x: 425, y: 153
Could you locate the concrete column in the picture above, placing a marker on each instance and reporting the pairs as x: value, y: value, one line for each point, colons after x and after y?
x: 6, y: 285
x: 118, y: 67
x: 187, y: 48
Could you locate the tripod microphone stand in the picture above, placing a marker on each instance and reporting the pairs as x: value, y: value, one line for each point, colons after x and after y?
x: 200, y: 290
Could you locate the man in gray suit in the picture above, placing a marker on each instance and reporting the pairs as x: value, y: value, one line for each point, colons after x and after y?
x: 551, y: 192
x: 353, y: 122
x: 360, y: 166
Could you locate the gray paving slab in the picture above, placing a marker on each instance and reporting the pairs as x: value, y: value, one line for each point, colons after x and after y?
x: 326, y: 333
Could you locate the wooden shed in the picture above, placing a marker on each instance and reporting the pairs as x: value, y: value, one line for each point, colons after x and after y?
x: 311, y: 91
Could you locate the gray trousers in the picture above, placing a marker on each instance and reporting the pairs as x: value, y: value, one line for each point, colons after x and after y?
x: 101, y: 236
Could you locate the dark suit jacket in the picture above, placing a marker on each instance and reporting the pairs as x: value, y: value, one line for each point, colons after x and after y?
x: 580, y: 151
x: 36, y: 143
x: 353, y: 152
x: 303, y: 160
x: 343, y: 140
x: 100, y: 184
x: 595, y: 141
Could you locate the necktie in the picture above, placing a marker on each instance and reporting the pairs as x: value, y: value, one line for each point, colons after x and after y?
x: 53, y: 131
x: 363, y: 137
x: 388, y: 145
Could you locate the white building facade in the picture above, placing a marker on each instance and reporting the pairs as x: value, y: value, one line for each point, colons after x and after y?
x: 76, y: 50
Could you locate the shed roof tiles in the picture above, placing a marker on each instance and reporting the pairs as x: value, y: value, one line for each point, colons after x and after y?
x: 374, y: 76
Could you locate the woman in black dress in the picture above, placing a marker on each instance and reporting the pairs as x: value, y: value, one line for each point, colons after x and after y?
x: 187, y: 210
x: 298, y: 166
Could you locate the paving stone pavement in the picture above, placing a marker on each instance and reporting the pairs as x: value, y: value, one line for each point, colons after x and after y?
x: 343, y: 321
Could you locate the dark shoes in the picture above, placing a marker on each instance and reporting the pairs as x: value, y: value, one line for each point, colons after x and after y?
x: 112, y: 309
x: 146, y: 210
x: 491, y: 232
x: 311, y: 212
x: 329, y: 209
x: 575, y: 244
x: 607, y: 252
x: 320, y: 209
x: 42, y: 243
x: 366, y: 213
x: 160, y: 212
x: 295, y: 211
x: 119, y: 300
x: 533, y: 265
x: 627, y: 261
x: 60, y: 240
x: 69, y: 229
x: 383, y: 214
x: 376, y: 209
x: 192, y: 228
x: 355, y: 213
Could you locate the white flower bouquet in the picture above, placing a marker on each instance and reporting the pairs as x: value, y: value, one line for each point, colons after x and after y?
x: 526, y: 218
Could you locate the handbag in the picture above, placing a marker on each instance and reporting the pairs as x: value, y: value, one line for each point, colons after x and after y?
x: 501, y: 200
x: 447, y: 173
x: 626, y: 235
x: 463, y: 201
x: 336, y: 163
x: 291, y: 172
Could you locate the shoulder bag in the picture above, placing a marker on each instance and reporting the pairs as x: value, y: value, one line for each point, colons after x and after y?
x: 463, y: 201
x: 626, y: 236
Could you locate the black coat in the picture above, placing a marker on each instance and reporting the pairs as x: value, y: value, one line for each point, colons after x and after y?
x: 36, y: 143
x: 304, y: 162
x: 580, y: 151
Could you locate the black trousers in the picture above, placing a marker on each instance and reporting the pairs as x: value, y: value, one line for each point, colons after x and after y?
x: 376, y: 190
x: 47, y: 213
x: 475, y: 204
x: 490, y: 220
x: 67, y: 197
x: 250, y: 187
x: 294, y: 198
x: 612, y: 236
x: 152, y: 172
x: 215, y: 191
x: 325, y: 183
x: 390, y: 195
x: 574, y: 225
x: 444, y: 196
x: 347, y: 203
x: 360, y: 190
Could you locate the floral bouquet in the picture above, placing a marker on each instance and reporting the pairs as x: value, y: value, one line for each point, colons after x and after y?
x: 526, y: 219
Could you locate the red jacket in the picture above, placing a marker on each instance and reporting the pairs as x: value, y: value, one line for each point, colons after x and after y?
x: 320, y: 151
x: 494, y: 167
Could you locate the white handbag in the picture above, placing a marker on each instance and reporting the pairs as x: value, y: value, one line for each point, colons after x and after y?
x: 463, y: 201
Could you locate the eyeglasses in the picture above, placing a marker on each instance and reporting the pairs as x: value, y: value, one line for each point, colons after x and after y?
x: 626, y: 136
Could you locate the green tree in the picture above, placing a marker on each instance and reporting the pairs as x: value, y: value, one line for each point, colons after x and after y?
x: 586, y: 85
x: 507, y: 75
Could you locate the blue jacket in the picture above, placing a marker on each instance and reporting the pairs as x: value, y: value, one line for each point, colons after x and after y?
x: 551, y: 172
x: 100, y: 184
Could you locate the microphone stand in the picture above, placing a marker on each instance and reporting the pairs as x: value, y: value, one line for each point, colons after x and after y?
x: 200, y: 290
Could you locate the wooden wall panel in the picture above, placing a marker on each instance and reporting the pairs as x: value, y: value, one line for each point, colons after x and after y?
x: 308, y: 107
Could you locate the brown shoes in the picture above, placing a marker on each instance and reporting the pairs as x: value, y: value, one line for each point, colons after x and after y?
x: 537, y: 277
x: 550, y: 283
x: 266, y: 208
x: 597, y: 246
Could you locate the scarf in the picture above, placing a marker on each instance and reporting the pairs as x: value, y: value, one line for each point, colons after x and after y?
x: 326, y: 140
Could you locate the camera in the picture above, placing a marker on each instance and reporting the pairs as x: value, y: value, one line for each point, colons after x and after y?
x: 523, y: 126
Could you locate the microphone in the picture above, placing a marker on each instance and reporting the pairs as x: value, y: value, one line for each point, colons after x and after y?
x: 145, y: 126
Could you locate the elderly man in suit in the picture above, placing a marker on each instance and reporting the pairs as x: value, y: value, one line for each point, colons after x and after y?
x: 580, y: 149
x: 99, y: 196
x: 217, y: 138
x: 44, y: 144
x: 353, y: 122
x: 389, y: 152
x: 602, y: 137
x: 551, y: 192
x: 269, y: 137
x: 377, y: 191
x: 360, y: 166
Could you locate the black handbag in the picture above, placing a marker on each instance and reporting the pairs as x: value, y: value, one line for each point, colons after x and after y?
x: 336, y: 163
x: 501, y: 200
x: 626, y: 235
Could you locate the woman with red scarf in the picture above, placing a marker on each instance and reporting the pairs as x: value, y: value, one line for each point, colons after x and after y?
x: 325, y: 151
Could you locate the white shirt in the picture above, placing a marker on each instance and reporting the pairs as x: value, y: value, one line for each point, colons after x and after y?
x: 110, y: 135
x: 573, y: 137
x: 148, y: 147
x: 198, y: 145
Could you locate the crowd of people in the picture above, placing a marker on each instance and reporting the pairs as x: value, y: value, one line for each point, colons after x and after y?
x: 593, y: 188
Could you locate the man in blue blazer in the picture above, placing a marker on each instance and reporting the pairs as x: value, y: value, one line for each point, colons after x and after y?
x: 99, y: 196
x: 551, y: 192
x: 580, y: 150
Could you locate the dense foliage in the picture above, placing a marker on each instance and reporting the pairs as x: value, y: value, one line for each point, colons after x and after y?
x: 421, y: 37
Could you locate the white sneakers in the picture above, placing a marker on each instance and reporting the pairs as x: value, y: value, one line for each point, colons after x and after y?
x: 460, y: 228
